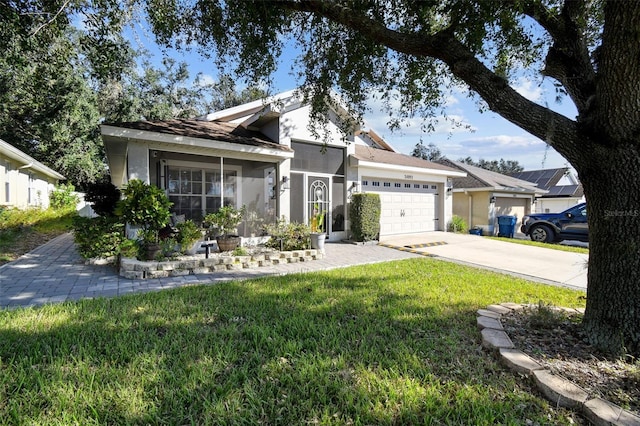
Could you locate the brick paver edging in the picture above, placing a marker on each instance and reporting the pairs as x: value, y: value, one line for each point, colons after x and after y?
x: 139, y: 269
x: 557, y: 389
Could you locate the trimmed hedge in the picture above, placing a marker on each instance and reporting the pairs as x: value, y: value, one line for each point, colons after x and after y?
x: 364, y: 212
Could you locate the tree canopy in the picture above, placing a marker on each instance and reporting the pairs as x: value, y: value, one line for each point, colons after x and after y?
x: 409, y: 54
x: 499, y: 166
x: 430, y: 152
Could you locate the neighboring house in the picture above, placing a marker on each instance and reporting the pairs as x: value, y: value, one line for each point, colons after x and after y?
x: 24, y: 181
x: 263, y: 155
x: 483, y: 195
x: 564, y: 189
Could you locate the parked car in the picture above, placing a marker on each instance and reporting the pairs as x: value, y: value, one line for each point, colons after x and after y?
x: 571, y: 224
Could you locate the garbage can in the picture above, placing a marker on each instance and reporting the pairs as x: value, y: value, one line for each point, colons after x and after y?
x: 475, y: 231
x: 506, y: 226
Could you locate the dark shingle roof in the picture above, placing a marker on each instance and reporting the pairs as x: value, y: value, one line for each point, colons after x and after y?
x: 211, y: 130
x: 481, y: 178
x: 367, y: 153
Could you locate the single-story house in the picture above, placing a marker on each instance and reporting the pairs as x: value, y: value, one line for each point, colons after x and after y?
x: 563, y: 188
x: 264, y: 156
x: 24, y: 181
x: 481, y: 196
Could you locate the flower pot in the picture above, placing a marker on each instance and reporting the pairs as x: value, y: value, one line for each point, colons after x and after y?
x: 193, y: 248
x: 152, y: 251
x: 317, y: 240
x: 228, y: 242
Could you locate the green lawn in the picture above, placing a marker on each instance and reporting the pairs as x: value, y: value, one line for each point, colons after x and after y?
x: 23, y: 230
x: 560, y: 247
x: 391, y: 343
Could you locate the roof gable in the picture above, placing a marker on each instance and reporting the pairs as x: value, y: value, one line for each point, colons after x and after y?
x: 478, y: 177
x: 545, y: 178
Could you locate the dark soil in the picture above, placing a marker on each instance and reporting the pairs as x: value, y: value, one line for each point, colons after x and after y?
x: 555, y: 339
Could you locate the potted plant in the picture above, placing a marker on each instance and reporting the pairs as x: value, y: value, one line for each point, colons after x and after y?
x: 146, y: 206
x: 318, y: 234
x: 189, y: 236
x: 223, y: 226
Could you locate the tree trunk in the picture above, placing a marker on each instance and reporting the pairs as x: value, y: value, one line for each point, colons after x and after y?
x: 612, y: 189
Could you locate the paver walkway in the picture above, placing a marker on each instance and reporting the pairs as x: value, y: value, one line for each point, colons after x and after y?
x: 55, y: 272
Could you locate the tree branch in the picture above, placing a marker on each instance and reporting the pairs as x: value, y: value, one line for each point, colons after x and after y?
x: 53, y: 18
x: 556, y: 129
x: 568, y: 59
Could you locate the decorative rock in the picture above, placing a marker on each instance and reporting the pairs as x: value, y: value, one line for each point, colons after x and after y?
x: 498, y: 309
x: 258, y: 257
x: 601, y: 412
x: 489, y: 314
x: 210, y: 263
x: 157, y: 274
x: 265, y: 262
x: 495, y: 339
x: 560, y: 391
x: 188, y: 264
x: 486, y: 322
x: 132, y: 275
x: 179, y: 272
x: 167, y: 266
x: 195, y: 271
x: 234, y: 266
x: 518, y: 361
x: 628, y: 419
x: 293, y: 259
x: 286, y: 254
x: 512, y: 306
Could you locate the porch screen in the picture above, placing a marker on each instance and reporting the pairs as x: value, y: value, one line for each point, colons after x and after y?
x: 195, y: 192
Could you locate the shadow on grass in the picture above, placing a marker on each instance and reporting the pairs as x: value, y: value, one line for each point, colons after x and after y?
x: 364, y: 345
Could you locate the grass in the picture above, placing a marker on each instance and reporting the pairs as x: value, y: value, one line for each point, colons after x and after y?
x: 560, y: 247
x: 24, y: 230
x: 391, y: 343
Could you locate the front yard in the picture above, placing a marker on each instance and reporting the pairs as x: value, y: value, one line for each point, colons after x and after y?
x: 391, y: 343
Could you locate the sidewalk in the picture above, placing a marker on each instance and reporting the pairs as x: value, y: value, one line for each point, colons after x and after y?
x: 56, y: 273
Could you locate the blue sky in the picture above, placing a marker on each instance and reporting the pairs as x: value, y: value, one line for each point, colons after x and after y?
x: 484, y: 135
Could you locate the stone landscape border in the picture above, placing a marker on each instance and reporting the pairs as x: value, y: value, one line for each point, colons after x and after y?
x: 558, y: 390
x: 190, y: 265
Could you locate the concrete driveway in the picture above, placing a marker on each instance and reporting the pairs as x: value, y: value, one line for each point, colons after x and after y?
x: 535, y: 263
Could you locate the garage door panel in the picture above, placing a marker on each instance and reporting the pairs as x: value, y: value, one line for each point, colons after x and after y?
x: 406, y: 207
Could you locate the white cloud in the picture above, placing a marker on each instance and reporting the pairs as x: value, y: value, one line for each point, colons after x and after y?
x: 529, y: 89
x: 206, y: 79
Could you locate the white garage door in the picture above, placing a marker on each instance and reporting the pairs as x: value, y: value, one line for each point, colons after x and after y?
x: 512, y: 207
x: 406, y: 206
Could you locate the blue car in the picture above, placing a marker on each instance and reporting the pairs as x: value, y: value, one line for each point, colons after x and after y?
x: 571, y: 224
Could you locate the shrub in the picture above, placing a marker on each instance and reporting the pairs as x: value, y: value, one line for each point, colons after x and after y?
x: 365, y: 216
x: 457, y: 224
x: 99, y: 237
x: 288, y: 235
x: 188, y: 233
x: 145, y: 205
x: 63, y: 197
x: 225, y: 221
x: 104, y: 197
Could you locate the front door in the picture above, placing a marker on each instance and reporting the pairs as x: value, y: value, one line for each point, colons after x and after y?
x: 318, y: 203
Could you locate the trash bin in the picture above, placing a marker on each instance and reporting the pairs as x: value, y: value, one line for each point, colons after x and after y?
x: 506, y: 226
x: 475, y: 231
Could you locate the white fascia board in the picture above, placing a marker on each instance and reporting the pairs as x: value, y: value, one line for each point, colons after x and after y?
x: 415, y: 170
x: 186, y: 141
x: 247, y: 109
x: 28, y: 161
x: 498, y: 191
